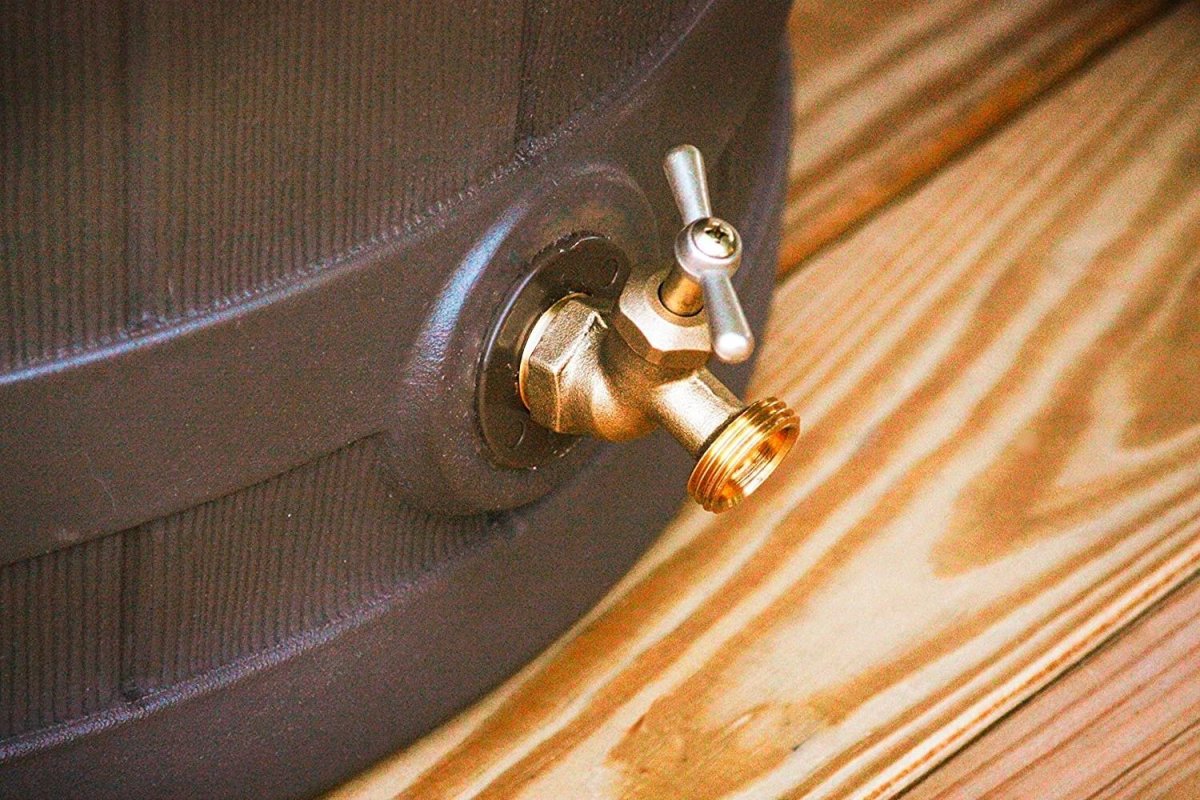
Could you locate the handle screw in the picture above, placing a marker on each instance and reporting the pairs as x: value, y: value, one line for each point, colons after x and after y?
x: 716, y: 238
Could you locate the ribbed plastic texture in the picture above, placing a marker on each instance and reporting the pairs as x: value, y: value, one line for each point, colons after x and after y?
x: 60, y: 635
x: 117, y: 618
x: 160, y: 160
x: 63, y: 274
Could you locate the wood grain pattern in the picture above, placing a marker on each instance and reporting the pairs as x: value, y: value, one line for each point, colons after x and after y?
x: 1012, y: 328
x: 1000, y: 469
x: 1123, y: 725
x: 888, y: 92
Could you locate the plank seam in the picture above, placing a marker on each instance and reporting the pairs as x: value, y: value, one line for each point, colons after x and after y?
x: 1101, y: 628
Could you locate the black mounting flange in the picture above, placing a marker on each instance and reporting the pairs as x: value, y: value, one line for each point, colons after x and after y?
x: 582, y: 263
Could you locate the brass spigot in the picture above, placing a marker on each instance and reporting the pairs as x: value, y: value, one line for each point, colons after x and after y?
x: 619, y: 375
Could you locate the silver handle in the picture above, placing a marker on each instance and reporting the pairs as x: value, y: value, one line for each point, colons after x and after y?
x: 708, y: 252
x: 685, y: 173
x: 732, y: 339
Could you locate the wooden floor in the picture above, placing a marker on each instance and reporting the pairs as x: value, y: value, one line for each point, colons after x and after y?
x: 1124, y: 724
x: 994, y: 347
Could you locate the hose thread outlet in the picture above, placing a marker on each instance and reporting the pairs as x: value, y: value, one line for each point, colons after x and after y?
x: 743, y: 454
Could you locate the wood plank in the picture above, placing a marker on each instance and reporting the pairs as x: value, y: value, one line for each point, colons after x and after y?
x: 1000, y: 469
x: 886, y: 93
x: 1123, y: 725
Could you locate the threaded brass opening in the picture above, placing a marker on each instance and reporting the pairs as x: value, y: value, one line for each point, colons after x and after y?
x: 743, y: 454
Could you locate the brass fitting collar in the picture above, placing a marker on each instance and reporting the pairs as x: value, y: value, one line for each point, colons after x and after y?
x: 743, y: 454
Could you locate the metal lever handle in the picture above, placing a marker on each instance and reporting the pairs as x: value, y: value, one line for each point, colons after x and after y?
x: 732, y: 339
x: 685, y: 173
x: 708, y: 252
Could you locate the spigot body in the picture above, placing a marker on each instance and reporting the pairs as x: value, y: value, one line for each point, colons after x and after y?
x: 619, y: 375
x: 580, y: 376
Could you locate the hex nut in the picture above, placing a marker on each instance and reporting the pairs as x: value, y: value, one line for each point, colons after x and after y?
x: 567, y: 335
x: 654, y: 332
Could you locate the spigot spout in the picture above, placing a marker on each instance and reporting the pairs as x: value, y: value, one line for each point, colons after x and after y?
x: 743, y: 454
x: 736, y: 446
x: 693, y: 408
x: 579, y: 376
